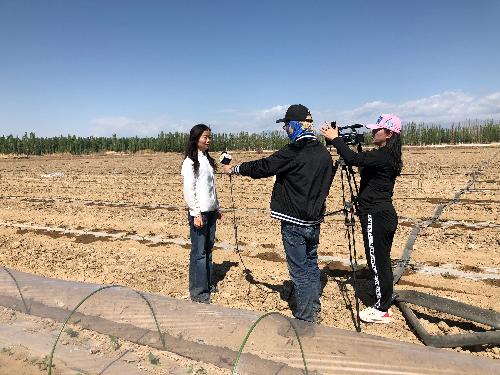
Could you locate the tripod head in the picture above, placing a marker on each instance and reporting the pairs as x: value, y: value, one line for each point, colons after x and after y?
x: 348, y: 175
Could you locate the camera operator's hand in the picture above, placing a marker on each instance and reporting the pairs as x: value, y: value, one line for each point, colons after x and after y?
x: 328, y: 132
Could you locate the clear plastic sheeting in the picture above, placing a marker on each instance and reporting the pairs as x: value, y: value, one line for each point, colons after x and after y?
x: 244, y: 341
x: 277, y: 338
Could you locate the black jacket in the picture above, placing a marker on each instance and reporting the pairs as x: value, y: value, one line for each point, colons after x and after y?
x: 378, y: 176
x: 303, y: 172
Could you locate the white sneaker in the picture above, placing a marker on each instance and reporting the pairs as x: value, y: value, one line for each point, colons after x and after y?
x: 372, y: 315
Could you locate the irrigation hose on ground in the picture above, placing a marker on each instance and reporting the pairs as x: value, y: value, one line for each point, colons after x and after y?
x: 465, y: 311
x: 246, y: 271
x: 403, y: 262
x: 448, y: 341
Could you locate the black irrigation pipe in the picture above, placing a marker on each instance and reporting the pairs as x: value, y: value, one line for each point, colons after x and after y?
x: 142, y: 175
x: 19, y: 290
x: 255, y: 211
x: 125, y: 204
x: 475, y: 314
x: 449, y: 341
x: 488, y: 317
x: 162, y: 339
x: 246, y: 271
x: 403, y: 262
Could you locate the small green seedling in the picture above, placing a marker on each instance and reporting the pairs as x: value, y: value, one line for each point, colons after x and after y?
x: 199, y: 371
x: 71, y: 332
x: 153, y: 359
x: 114, y: 342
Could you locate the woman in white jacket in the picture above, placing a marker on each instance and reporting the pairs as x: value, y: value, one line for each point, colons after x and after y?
x: 199, y: 193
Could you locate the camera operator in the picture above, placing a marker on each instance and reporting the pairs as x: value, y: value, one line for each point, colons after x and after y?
x: 378, y: 218
x: 303, y: 171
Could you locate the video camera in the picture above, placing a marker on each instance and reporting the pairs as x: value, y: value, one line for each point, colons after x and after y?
x: 352, y: 137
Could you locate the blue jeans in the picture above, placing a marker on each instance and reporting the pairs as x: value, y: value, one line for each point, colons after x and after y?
x: 200, y: 260
x: 301, y: 249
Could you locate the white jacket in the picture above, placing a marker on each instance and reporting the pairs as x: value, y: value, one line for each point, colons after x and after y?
x: 199, y: 190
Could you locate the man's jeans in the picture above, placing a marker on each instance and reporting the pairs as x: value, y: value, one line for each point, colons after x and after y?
x: 301, y: 249
x: 200, y: 260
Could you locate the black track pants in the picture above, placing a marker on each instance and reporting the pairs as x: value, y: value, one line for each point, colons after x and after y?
x: 378, y: 232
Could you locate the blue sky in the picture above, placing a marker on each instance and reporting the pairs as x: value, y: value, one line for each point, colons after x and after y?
x: 99, y: 67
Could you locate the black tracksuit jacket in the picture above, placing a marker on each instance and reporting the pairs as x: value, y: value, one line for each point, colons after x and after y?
x: 303, y: 172
x: 377, y: 176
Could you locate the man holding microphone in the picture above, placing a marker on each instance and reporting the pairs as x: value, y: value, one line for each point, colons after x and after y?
x: 303, y: 171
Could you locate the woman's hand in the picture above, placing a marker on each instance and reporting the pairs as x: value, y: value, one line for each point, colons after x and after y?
x: 329, y: 132
x: 198, y: 221
x: 219, y: 215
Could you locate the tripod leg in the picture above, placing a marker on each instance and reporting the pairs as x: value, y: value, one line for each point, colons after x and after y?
x: 349, y: 223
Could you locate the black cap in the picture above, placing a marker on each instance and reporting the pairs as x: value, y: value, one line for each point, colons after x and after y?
x: 296, y: 112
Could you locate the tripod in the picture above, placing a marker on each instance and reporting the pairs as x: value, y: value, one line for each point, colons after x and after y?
x: 350, y: 209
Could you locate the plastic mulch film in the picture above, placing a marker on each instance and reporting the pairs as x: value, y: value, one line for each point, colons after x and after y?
x: 241, y: 341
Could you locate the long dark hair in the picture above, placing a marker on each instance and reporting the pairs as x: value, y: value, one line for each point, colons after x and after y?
x: 192, y: 147
x: 393, y: 147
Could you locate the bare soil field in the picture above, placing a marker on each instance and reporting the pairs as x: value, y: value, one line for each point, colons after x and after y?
x: 120, y: 219
x: 11, y: 363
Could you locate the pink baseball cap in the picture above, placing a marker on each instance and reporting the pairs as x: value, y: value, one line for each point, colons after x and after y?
x: 387, y: 121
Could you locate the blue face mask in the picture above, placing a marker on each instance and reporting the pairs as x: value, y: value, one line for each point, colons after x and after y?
x: 297, y: 130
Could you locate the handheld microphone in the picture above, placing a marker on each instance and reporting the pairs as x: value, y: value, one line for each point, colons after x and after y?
x: 225, y: 158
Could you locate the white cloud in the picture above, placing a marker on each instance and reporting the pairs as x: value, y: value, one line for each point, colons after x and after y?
x: 444, y: 108
x: 266, y: 118
x: 252, y: 121
x: 273, y: 113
